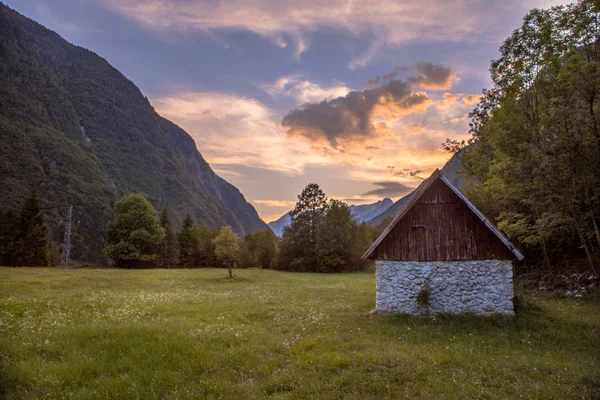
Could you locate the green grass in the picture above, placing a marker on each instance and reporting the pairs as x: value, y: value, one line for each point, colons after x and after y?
x: 166, y: 334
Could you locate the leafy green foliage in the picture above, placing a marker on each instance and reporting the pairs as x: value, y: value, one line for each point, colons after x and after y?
x: 536, y: 143
x: 80, y: 133
x: 259, y: 250
x: 195, y: 245
x: 135, y: 235
x: 335, y: 239
x: 205, y: 252
x: 227, y: 247
x: 323, y: 236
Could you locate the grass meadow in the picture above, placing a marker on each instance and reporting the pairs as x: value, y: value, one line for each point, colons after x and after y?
x: 184, y: 334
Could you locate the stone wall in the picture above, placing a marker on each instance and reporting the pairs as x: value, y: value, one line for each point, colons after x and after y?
x: 477, y: 286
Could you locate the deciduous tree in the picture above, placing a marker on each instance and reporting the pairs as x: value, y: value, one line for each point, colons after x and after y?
x: 227, y: 248
x: 135, y: 235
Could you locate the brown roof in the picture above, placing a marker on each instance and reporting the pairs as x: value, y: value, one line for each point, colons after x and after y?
x: 417, y: 195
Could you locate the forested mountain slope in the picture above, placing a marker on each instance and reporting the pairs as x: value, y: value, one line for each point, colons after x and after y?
x: 79, y: 132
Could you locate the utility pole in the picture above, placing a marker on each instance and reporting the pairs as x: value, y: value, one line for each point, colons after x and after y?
x: 67, y: 245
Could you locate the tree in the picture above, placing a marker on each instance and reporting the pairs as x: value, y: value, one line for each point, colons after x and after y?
x: 298, y: 245
x: 189, y: 243
x: 168, y: 246
x: 31, y: 245
x: 8, y: 238
x: 205, y: 251
x: 135, y: 235
x: 227, y: 248
x: 536, y: 145
x: 259, y: 250
x: 365, y: 235
x: 336, y: 236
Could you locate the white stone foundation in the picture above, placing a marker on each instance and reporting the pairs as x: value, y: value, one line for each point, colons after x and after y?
x: 481, y: 287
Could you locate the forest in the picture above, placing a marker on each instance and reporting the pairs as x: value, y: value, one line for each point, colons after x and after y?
x: 532, y: 163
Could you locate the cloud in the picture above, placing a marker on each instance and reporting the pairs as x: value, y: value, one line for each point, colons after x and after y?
x: 387, y: 22
x: 244, y: 142
x: 388, y: 189
x: 364, y: 114
x: 276, y: 203
x: 302, y: 90
x: 366, y: 58
x: 231, y: 129
x: 430, y: 76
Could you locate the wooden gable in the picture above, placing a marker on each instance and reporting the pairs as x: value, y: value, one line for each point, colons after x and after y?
x: 440, y: 224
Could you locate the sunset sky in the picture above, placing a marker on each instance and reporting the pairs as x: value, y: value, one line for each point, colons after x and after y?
x: 354, y: 95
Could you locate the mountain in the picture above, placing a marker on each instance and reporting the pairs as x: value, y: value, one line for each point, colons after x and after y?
x: 450, y: 170
x: 79, y: 132
x: 362, y: 213
x: 278, y: 225
x: 366, y: 212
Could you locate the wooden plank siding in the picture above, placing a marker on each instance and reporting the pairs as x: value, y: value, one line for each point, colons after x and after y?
x: 440, y: 227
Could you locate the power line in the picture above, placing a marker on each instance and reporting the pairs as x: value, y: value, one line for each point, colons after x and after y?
x: 67, y: 246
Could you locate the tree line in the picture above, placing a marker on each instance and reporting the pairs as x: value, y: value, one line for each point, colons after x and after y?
x: 24, y: 235
x: 322, y: 237
x: 140, y: 237
x: 534, y: 156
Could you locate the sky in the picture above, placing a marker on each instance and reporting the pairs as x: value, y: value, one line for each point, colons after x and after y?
x: 357, y: 96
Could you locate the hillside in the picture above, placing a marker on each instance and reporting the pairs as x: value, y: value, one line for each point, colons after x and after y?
x: 362, y: 213
x: 79, y: 132
x: 450, y: 170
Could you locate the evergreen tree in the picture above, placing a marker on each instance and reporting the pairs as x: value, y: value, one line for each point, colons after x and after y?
x: 168, y: 247
x: 135, y: 235
x: 8, y: 238
x: 227, y: 248
x: 32, y: 236
x: 188, y: 242
x: 336, y: 236
x: 298, y: 246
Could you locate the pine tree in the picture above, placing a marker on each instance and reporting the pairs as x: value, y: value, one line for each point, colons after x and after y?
x: 298, y: 246
x: 8, y: 237
x: 32, y: 237
x: 168, y: 248
x: 188, y: 243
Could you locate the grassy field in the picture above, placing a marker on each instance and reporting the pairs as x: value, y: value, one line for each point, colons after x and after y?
x: 166, y: 334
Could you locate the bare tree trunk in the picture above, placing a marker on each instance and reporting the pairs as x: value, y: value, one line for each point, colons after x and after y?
x: 596, y: 231
x: 544, y: 249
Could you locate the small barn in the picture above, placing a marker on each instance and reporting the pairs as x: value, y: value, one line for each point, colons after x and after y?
x: 441, y: 248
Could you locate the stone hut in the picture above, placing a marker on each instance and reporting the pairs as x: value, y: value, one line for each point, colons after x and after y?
x: 441, y: 247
